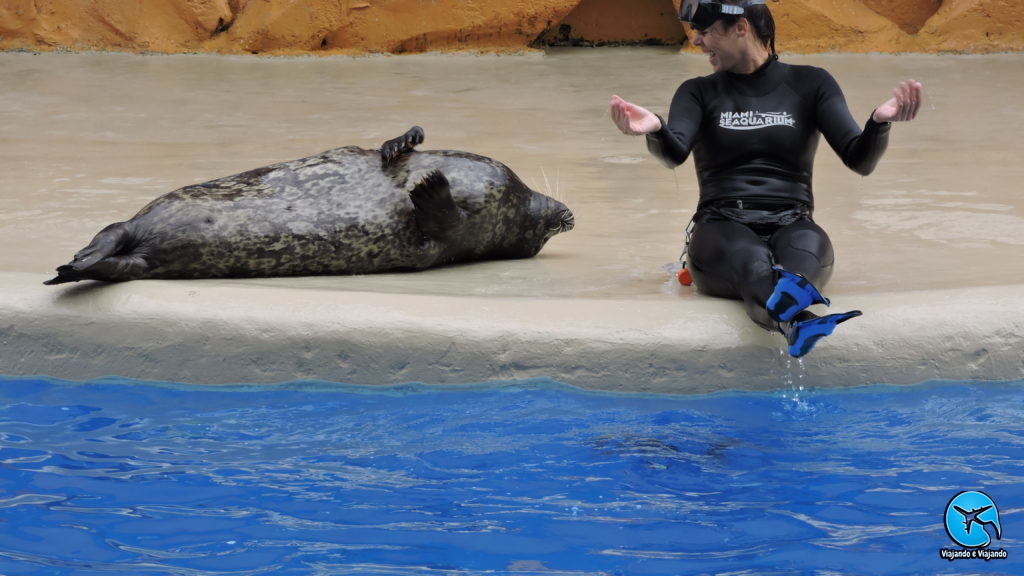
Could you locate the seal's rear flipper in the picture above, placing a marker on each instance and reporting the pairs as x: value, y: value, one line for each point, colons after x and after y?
x: 100, y: 260
x: 434, y: 208
x: 402, y: 145
x: 65, y: 274
x: 803, y: 335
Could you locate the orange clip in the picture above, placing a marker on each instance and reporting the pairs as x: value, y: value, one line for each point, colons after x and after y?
x: 684, y: 277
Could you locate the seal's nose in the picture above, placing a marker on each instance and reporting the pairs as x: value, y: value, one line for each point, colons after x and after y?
x: 567, y: 221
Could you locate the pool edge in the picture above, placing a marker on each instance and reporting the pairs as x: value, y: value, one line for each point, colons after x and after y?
x: 217, y: 332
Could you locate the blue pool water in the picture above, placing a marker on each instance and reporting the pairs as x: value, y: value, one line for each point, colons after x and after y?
x: 514, y: 479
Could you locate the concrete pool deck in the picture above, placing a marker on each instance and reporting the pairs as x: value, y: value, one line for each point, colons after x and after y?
x: 221, y: 332
x: 929, y: 246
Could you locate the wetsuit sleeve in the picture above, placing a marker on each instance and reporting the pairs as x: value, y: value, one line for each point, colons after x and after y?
x: 673, y: 142
x: 863, y: 154
x: 859, y: 149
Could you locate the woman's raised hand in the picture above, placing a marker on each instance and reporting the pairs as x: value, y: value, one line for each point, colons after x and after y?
x: 632, y: 119
x: 903, y: 105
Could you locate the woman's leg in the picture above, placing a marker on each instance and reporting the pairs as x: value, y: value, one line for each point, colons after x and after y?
x: 729, y: 260
x: 803, y: 247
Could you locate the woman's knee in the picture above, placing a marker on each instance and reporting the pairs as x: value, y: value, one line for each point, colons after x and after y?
x: 803, y: 247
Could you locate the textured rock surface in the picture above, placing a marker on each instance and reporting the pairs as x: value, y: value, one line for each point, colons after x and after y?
x: 402, y: 26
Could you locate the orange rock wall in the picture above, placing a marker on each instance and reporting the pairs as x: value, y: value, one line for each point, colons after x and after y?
x: 402, y: 26
x: 598, y: 22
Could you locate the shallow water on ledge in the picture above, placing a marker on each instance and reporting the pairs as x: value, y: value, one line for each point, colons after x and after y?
x: 88, y: 139
x: 519, y: 478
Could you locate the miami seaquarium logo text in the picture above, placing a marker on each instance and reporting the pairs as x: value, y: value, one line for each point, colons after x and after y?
x: 971, y: 520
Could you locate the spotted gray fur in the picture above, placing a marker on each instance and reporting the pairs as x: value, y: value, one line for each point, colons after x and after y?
x: 344, y: 211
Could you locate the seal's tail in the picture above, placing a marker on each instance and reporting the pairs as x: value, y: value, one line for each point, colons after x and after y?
x: 108, y: 257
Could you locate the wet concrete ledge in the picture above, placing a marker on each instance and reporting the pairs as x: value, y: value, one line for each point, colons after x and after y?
x: 215, y: 332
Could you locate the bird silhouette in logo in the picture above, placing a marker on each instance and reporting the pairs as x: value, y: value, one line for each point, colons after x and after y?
x: 969, y: 510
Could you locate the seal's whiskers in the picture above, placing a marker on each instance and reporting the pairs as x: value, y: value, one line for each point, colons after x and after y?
x: 557, y: 192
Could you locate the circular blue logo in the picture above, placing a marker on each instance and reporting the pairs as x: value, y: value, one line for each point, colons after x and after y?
x: 967, y: 515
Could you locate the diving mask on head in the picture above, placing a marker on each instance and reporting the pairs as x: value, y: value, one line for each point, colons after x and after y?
x: 702, y: 14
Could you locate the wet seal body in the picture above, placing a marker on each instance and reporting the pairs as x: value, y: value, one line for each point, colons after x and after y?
x: 344, y: 211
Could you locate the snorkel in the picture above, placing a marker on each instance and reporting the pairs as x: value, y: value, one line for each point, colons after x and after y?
x: 702, y: 14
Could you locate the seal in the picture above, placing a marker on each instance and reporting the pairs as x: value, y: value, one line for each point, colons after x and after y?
x: 345, y: 211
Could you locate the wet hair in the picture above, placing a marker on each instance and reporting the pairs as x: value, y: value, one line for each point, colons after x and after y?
x: 761, y: 20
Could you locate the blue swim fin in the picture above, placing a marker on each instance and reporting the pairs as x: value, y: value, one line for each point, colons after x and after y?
x: 805, y: 334
x: 793, y: 293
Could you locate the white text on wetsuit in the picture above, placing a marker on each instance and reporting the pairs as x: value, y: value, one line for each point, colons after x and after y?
x: 754, y: 120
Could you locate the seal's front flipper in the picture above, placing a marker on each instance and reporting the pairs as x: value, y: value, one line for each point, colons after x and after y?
x: 792, y: 294
x: 402, y: 145
x: 108, y: 257
x: 434, y: 208
x: 805, y: 334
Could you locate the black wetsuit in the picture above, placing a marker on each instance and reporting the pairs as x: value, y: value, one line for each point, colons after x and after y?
x: 753, y: 137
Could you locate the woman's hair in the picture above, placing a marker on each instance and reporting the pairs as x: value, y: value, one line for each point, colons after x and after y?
x: 760, y: 18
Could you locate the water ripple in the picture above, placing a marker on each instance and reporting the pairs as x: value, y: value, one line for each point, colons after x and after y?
x: 145, y: 479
